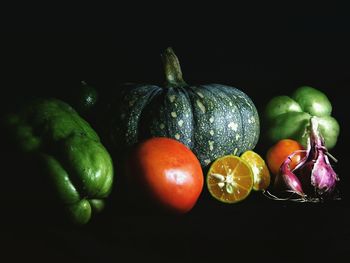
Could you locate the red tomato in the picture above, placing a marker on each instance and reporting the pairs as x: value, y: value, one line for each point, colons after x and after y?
x: 279, y: 152
x: 169, y: 171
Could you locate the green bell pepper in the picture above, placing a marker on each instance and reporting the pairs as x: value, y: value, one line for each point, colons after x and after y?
x: 78, y: 165
x: 289, y: 117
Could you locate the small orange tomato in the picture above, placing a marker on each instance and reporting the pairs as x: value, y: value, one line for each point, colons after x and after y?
x: 279, y: 152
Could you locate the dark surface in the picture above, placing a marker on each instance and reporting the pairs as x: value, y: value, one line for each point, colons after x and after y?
x: 263, y: 60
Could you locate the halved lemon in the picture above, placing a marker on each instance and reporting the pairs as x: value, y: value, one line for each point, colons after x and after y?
x: 260, y: 171
x: 230, y: 179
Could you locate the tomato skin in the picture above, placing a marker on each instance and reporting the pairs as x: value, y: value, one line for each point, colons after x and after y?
x: 279, y: 152
x: 169, y: 172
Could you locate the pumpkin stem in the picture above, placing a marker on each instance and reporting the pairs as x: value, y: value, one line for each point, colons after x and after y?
x: 173, y: 73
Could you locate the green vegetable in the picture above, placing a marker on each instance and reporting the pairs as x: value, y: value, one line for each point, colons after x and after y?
x: 77, y: 164
x: 289, y: 117
x: 213, y: 119
x: 84, y: 97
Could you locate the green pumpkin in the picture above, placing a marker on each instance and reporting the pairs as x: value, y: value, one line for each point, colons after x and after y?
x: 212, y: 120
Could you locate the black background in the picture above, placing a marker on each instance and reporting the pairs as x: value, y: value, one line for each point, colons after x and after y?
x: 262, y: 55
